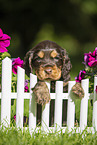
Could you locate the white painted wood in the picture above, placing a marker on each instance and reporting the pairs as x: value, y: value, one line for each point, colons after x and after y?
x: 45, y: 112
x: 58, y: 104
x: 32, y: 104
x: 6, y: 91
x: 20, y: 95
x: 6, y: 96
x: 52, y: 95
x: 70, y: 107
x: 94, y: 121
x: 84, y: 105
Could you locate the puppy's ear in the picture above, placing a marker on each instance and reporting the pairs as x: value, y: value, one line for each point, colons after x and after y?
x: 27, y: 62
x: 66, y: 66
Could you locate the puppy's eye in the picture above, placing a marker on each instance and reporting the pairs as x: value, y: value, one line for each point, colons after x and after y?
x: 37, y: 58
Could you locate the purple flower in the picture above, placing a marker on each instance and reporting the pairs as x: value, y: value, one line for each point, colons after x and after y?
x: 26, y: 89
x: 80, y: 76
x: 4, y: 41
x: 91, y: 58
x: 15, y: 63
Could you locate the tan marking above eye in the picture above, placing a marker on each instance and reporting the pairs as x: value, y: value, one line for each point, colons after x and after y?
x: 54, y: 54
x: 41, y: 54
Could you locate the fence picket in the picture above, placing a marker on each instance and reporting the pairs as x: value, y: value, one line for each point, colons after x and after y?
x: 94, y: 121
x: 32, y: 104
x: 20, y: 98
x: 6, y: 91
x: 6, y: 96
x: 84, y: 105
x: 45, y: 112
x: 58, y: 104
x: 70, y: 107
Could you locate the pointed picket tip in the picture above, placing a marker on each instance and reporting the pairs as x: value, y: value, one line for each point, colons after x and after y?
x: 33, y: 80
x: 20, y: 69
x: 6, y: 67
x: 32, y: 75
x: 7, y: 59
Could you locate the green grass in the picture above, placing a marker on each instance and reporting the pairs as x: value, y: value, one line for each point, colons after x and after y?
x: 14, y: 136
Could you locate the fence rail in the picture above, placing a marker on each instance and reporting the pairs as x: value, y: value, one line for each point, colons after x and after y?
x: 6, y: 95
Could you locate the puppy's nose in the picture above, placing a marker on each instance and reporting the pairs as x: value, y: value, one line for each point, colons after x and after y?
x: 48, y: 71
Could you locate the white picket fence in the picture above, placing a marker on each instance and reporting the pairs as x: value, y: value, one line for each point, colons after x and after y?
x: 6, y: 95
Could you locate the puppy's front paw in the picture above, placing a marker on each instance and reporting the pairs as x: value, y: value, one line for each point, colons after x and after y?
x: 41, y: 92
x: 78, y: 90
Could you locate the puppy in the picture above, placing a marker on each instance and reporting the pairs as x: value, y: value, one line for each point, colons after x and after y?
x: 49, y: 62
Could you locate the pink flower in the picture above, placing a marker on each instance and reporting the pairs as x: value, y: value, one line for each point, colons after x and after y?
x: 15, y: 63
x: 4, y: 41
x: 80, y: 76
x: 26, y: 89
x: 96, y: 89
x: 15, y: 117
x: 91, y: 58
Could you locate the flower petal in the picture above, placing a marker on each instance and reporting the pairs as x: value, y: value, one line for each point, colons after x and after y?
x: 15, y: 63
x: 14, y: 70
x: 92, y: 63
x: 18, y: 61
x: 5, y: 40
x: 5, y: 43
x: 80, y: 76
x: 5, y: 37
x: 94, y: 52
x: 26, y: 89
x: 91, y: 58
x: 86, y: 58
x: 3, y: 49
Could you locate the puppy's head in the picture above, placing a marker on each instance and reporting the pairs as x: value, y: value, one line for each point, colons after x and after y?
x: 49, y: 61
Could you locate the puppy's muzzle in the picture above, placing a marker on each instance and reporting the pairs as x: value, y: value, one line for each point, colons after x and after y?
x: 48, y: 68
x: 48, y: 72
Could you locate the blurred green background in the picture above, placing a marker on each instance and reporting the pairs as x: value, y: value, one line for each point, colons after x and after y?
x: 70, y: 23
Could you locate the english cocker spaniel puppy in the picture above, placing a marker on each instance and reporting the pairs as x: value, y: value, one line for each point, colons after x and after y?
x: 50, y: 62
